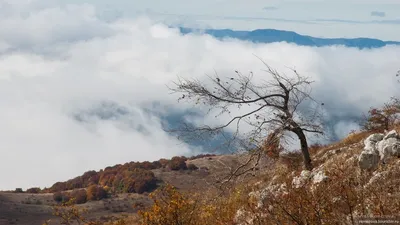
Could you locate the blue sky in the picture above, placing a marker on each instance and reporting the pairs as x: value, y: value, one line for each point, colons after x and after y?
x: 322, y: 18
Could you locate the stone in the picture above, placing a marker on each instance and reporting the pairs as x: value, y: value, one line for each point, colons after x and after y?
x: 388, y: 147
x: 374, y: 138
x: 391, y: 134
x: 319, y: 177
x: 368, y: 160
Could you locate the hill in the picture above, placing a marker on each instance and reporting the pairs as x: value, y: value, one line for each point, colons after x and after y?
x: 272, y: 35
x: 31, y: 208
x: 357, y: 176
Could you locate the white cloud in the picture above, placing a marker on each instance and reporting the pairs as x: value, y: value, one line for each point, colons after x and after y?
x: 60, y: 63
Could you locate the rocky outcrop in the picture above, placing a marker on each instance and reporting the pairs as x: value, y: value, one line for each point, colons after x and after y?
x: 274, y: 190
x: 314, y: 176
x: 378, y: 148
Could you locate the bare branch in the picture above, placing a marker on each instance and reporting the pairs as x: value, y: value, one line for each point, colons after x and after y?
x: 281, y: 104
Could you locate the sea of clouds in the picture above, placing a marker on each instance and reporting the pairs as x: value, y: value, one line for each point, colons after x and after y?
x: 79, y: 93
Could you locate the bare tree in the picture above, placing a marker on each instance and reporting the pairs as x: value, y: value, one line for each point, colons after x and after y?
x: 279, y: 104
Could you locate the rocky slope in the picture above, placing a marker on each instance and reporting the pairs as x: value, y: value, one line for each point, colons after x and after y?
x: 358, y: 180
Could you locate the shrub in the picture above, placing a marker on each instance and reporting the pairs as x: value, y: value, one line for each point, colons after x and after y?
x: 163, y: 162
x: 33, y: 190
x: 60, y: 197
x: 18, y: 190
x: 271, y: 146
x: 170, y: 207
x: 383, y: 118
x: 79, y: 196
x: 95, y: 192
x: 177, y: 163
x: 191, y: 166
x: 59, y: 186
x: 173, y: 207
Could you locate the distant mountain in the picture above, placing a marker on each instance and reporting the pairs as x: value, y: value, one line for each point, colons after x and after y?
x: 272, y: 35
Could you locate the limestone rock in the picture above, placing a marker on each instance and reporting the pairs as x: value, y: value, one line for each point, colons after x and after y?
x: 368, y: 160
x: 391, y: 134
x: 388, y: 147
x: 379, y: 147
x: 319, y: 177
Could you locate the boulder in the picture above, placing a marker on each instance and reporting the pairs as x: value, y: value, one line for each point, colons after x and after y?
x: 391, y: 134
x: 319, y: 177
x: 315, y: 176
x: 368, y: 160
x: 379, y: 147
x: 374, y: 138
x: 299, y: 181
x: 388, y: 147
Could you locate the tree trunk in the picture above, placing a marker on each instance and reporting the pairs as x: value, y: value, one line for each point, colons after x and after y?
x: 304, y: 148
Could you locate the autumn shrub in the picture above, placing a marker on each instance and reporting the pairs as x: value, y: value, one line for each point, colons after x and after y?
x: 163, y: 162
x: 381, y: 119
x: 170, y: 207
x: 271, y: 145
x: 95, y: 192
x: 173, y: 207
x: 18, y: 190
x: 191, y: 166
x: 59, y: 186
x: 60, y: 197
x: 135, y: 181
x: 157, y: 164
x: 79, y: 196
x: 33, y: 190
x: 177, y: 163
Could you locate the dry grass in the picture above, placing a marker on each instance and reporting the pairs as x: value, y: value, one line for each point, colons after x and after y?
x: 346, y: 195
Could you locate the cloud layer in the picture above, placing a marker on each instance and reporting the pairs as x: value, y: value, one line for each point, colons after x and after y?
x: 78, y: 93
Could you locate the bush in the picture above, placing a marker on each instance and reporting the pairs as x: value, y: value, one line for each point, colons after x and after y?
x: 33, y: 190
x: 163, y: 162
x: 57, y: 196
x: 95, y: 192
x: 79, y: 196
x: 61, y: 197
x: 18, y: 190
x: 271, y: 146
x: 177, y: 163
x: 191, y: 166
x: 172, y: 207
x: 139, y: 181
x: 382, y: 119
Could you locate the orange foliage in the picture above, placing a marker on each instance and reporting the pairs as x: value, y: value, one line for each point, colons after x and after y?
x: 271, y: 145
x: 95, y: 192
x: 382, y: 119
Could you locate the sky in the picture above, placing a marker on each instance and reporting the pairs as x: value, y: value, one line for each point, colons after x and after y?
x: 83, y: 85
x: 321, y: 18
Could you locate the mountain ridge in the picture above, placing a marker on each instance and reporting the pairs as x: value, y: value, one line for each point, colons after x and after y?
x: 273, y: 35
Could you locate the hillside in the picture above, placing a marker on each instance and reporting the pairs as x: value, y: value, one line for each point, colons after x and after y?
x: 35, y: 208
x: 272, y: 35
x: 357, y: 176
